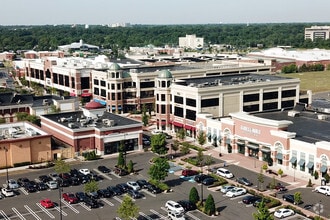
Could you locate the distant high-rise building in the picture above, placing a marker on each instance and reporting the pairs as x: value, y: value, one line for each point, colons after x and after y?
x: 191, y: 41
x: 317, y: 32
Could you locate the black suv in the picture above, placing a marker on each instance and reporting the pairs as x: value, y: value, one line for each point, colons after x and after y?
x: 91, y: 203
x: 153, y: 189
x: 200, y: 177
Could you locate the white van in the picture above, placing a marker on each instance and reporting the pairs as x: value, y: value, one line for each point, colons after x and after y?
x: 323, y: 189
x: 224, y: 173
x: 176, y: 216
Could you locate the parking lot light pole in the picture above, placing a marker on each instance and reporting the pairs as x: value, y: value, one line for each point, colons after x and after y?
x: 60, y: 196
x: 202, y: 184
x: 7, y: 175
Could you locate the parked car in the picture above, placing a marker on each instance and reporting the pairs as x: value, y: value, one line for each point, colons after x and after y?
x: 7, y: 192
x: 30, y: 188
x: 70, y: 198
x: 84, y: 171
x: 226, y: 188
x: 236, y: 192
x: 208, y: 181
x: 115, y: 190
x: 104, y: 193
x: 225, y: 173
x: 64, y: 182
x: 54, y: 176
x: 250, y: 199
x: 135, y: 194
x: 120, y: 172
x: 133, y: 185
x: 65, y: 175
x: 175, y: 216
x: 187, y: 205
x: 123, y: 187
x: 143, y: 183
x: 103, y: 169
x: 22, y: 181
x: 244, y: 181
x: 188, y: 172
x: 153, y: 189
x: 289, y: 198
x: 282, y: 213
x: 200, y: 177
x: 173, y: 206
x: 12, y: 184
x: 52, y: 184
x: 41, y: 186
x: 280, y: 187
x: 44, y: 178
x: 80, y: 196
x: 167, y: 136
x: 74, y: 181
x: 257, y: 202
x: 323, y: 189
x: 93, y: 195
x: 91, y: 203
x: 47, y: 203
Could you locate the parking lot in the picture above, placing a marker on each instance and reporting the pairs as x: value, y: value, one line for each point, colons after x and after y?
x: 27, y: 205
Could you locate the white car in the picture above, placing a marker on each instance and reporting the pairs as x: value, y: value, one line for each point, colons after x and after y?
x: 323, y: 189
x: 175, y: 216
x: 224, y: 173
x: 85, y: 171
x: 226, y: 188
x: 12, y: 184
x: 7, y: 192
x: 282, y: 213
x: 155, y: 132
x: 133, y: 185
x: 52, y: 184
x: 174, y: 207
x: 236, y: 192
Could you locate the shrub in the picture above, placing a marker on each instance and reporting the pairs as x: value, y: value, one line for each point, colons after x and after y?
x: 316, y: 174
x: 209, y: 207
x: 22, y: 164
x: 193, y: 195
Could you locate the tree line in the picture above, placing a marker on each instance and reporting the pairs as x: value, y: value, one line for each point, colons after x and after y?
x: 240, y: 36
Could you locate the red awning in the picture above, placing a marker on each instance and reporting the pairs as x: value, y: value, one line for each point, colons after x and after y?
x: 190, y: 127
x: 177, y: 124
x: 72, y: 94
x: 86, y: 94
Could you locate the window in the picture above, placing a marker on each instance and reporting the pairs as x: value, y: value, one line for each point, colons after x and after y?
x: 147, y: 84
x: 84, y: 83
x: 288, y: 93
x: 73, y: 83
x: 103, y: 92
x: 96, y: 91
x: 270, y: 106
x: 112, y: 86
x: 210, y: 102
x: 163, y: 97
x: 113, y: 96
x: 96, y: 82
x: 190, y: 114
x: 178, y: 111
x: 163, y: 110
x: 118, y: 96
x: 251, y: 108
x: 251, y: 97
x: 163, y: 84
x: 103, y: 83
x: 178, y: 99
x: 118, y: 86
x: 191, y: 102
x: 270, y: 95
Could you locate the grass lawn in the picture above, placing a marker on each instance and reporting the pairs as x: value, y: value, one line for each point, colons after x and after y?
x: 315, y: 81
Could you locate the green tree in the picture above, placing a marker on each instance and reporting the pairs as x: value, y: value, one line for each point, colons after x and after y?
x: 209, y: 207
x: 91, y: 186
x: 60, y: 166
x: 2, y: 121
x: 128, y: 209
x: 316, y: 174
x: 260, y: 180
x: 185, y: 149
x: 130, y: 166
x: 280, y: 172
x: 145, y: 117
x: 175, y: 146
x: 159, y: 170
x: 264, y: 167
x: 262, y: 212
x: 54, y: 109
x: 121, y: 160
x: 193, y: 195
x: 181, y: 134
x: 201, y: 138
x: 297, y: 198
x: 200, y: 157
x: 158, y: 144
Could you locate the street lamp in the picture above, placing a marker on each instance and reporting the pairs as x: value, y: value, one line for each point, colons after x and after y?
x: 60, y: 190
x: 202, y: 191
x: 6, y: 150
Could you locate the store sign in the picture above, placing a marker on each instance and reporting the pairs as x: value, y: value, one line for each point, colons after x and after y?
x: 253, y: 131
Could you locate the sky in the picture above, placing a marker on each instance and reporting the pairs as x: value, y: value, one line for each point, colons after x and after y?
x: 99, y: 12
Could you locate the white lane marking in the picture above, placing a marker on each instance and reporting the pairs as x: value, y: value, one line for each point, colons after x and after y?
x: 61, y: 211
x: 157, y: 213
x: 113, y: 173
x: 192, y: 216
x: 145, y: 216
x: 149, y: 193
x: 45, y: 210
x: 103, y: 174
x: 32, y: 212
x: 107, y: 201
x: 70, y: 206
x: 18, y: 214
x: 85, y: 206
x: 24, y: 191
x: 4, y: 215
x: 116, y: 198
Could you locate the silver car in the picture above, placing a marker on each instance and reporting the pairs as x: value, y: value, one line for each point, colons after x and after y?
x: 12, y: 184
x: 52, y: 184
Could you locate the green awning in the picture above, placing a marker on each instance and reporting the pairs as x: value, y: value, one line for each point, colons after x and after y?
x: 279, y: 156
x: 310, y: 165
x: 219, y: 138
x: 301, y: 162
x: 214, y: 136
x: 254, y: 147
x: 293, y: 160
x: 209, y: 135
x: 323, y: 169
x: 265, y: 150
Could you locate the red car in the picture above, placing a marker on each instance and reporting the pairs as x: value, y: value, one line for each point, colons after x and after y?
x: 70, y: 198
x: 47, y: 203
x: 188, y: 172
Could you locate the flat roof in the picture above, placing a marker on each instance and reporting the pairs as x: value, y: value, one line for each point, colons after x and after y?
x: 306, y: 125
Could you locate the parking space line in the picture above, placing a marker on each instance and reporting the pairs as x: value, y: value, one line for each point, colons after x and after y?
x: 145, y: 216
x: 192, y: 216
x: 45, y: 210
x: 103, y: 174
x: 85, y: 206
x: 149, y: 193
x: 107, y: 201
x: 4, y: 215
x: 61, y: 211
x: 70, y: 206
x: 157, y: 213
x: 116, y: 198
x: 32, y: 212
x: 115, y: 175
x: 24, y: 191
x: 18, y: 214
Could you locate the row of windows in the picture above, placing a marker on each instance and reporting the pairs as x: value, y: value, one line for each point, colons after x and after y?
x: 268, y: 106
x: 190, y: 114
x: 269, y: 95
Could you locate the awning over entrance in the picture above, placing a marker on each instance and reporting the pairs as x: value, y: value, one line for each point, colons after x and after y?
x: 209, y: 134
x: 241, y: 142
x: 293, y: 160
x: 265, y: 150
x: 86, y: 94
x: 279, y: 156
x: 310, y: 165
x: 188, y: 127
x: 323, y: 169
x: 214, y: 136
x: 177, y: 124
x: 219, y: 138
x: 301, y: 162
x: 254, y: 147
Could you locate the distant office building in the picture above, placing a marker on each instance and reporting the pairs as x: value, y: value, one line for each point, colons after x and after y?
x: 78, y: 46
x: 317, y: 32
x: 191, y: 41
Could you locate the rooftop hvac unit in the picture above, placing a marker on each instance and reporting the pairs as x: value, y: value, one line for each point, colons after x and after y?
x: 322, y: 117
x: 108, y: 122
x: 72, y: 125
